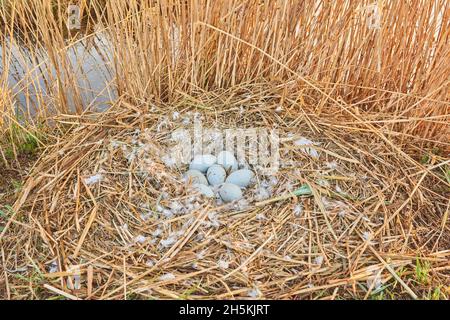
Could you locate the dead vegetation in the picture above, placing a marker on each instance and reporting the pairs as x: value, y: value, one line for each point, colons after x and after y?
x: 376, y: 101
x: 373, y: 211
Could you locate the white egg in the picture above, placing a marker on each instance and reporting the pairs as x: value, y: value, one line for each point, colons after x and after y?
x: 202, y: 162
x: 227, y: 160
x: 241, y: 178
x: 230, y: 192
x: 216, y: 175
x: 204, y: 190
x: 195, y: 176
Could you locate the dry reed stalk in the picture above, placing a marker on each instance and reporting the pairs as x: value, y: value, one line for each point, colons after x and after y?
x: 329, y: 45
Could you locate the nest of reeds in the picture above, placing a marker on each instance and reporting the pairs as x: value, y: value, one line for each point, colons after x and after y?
x: 102, y: 216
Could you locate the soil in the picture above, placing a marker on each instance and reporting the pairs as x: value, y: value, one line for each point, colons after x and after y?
x: 13, y: 177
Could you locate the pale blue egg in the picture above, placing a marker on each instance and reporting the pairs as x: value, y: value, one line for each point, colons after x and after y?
x: 230, y: 192
x: 241, y: 178
x: 204, y: 190
x: 195, y: 176
x: 216, y: 175
x: 202, y: 162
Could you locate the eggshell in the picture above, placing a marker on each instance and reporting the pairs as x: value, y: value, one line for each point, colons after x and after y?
x: 202, y: 162
x: 216, y: 175
x: 204, y: 190
x: 227, y: 160
x: 230, y: 192
x: 241, y: 178
x: 196, y: 177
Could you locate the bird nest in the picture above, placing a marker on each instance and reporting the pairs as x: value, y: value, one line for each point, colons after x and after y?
x: 104, y: 215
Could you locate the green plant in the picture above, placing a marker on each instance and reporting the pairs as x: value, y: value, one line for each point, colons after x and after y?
x: 446, y: 172
x: 437, y: 294
x: 18, y: 141
x: 379, y: 296
x: 187, y: 293
x: 5, y: 214
x: 9, y: 153
x: 425, y: 159
x: 17, y: 185
x: 30, y: 144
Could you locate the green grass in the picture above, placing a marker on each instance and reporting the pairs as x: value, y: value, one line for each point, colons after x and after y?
x: 26, y: 142
x: 187, y: 293
x: 422, y: 272
x: 17, y: 185
x: 421, y: 275
x: 446, y: 172
x: 5, y: 214
x: 425, y: 159
x: 19, y: 141
x: 437, y: 294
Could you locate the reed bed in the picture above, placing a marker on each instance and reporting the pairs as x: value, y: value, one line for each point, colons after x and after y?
x: 160, y: 47
x: 375, y: 100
